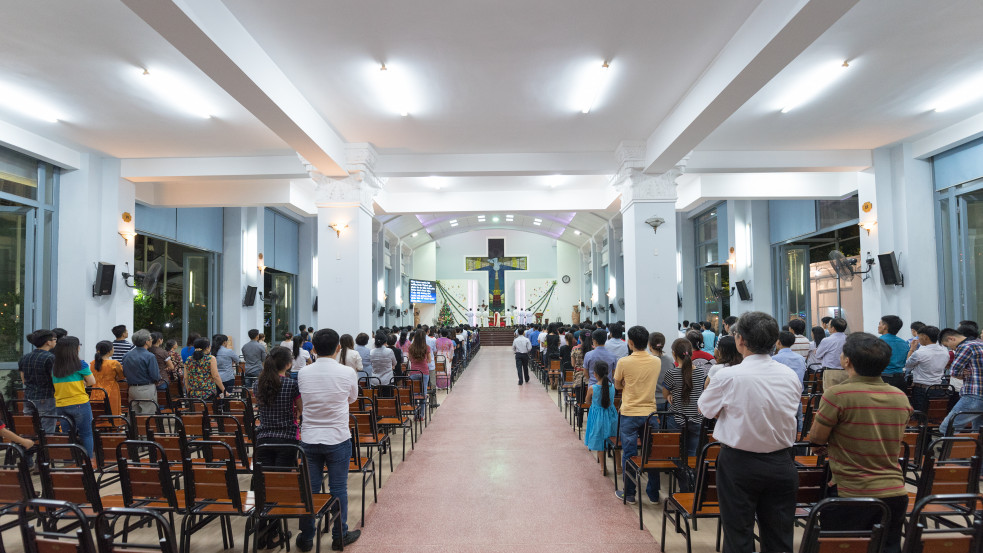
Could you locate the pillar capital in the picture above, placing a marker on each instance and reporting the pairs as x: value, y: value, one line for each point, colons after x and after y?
x: 637, y: 186
x: 359, y: 188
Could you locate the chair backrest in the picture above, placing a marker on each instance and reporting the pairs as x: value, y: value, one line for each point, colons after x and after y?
x: 660, y: 444
x: 66, y: 475
x: 812, y: 486
x: 107, y: 534
x: 357, y: 461
x: 228, y: 430
x: 99, y: 401
x: 212, y: 481
x: 64, y: 433
x: 706, y: 477
x: 15, y: 478
x: 809, y: 406
x: 922, y: 538
x: 168, y: 432
x: 817, y: 540
x: 145, y: 473
x: 388, y: 407
x: 948, y: 476
x: 939, y: 403
x: 366, y: 422
x: 287, y: 486
x: 109, y: 431
x: 46, y: 537
x: 23, y: 419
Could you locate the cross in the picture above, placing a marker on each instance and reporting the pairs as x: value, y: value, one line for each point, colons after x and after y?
x: 495, y: 267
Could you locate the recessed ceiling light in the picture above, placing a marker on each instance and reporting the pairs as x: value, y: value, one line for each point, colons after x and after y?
x: 537, y: 223
x: 594, y: 86
x: 812, y: 84
x: 495, y: 219
x: 414, y: 235
x: 481, y: 218
x: 453, y: 221
x: 968, y: 92
x: 577, y: 232
x: 27, y: 104
x: 537, y: 220
x: 394, y: 90
x: 176, y: 91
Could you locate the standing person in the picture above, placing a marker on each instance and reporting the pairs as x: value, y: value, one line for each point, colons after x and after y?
x: 107, y: 376
x: 728, y: 322
x: 709, y: 337
x: 278, y: 401
x: 142, y: 373
x: 755, y: 404
x: 533, y: 335
x: 362, y: 347
x: 288, y: 340
x: 164, y: 365
x: 684, y: 382
x: 701, y: 358
x: 253, y: 357
x: 348, y: 356
x: 926, y: 365
x: 301, y: 357
x: 828, y: 353
x: 616, y: 343
x: 967, y: 365
x: 35, y: 372
x: 398, y: 354
x: 189, y: 347
x: 326, y: 389
x: 786, y: 355
x: 120, y: 346
x: 201, y: 373
x: 225, y: 359
x: 420, y: 355
x: 521, y: 346
x: 726, y: 355
x: 825, y: 322
x: 177, y: 373
x: 637, y: 376
x: 802, y: 345
x: 818, y: 335
x: 657, y: 345
x: 889, y: 327
x: 382, y: 360
x: 599, y: 353
x: 863, y: 420
x: 70, y: 375
x: 602, y: 418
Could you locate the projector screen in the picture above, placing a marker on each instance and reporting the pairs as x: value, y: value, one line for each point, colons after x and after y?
x: 423, y: 291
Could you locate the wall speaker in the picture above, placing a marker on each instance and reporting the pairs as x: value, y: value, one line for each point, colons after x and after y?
x: 314, y: 309
x: 742, y: 290
x: 105, y: 274
x: 889, y: 269
x: 250, y: 298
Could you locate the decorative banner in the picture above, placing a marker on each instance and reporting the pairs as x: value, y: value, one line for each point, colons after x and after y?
x: 496, y: 267
x: 538, y: 298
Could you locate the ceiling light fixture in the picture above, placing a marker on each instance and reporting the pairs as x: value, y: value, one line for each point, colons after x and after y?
x: 481, y: 218
x: 414, y: 235
x: 436, y: 182
x: 453, y: 221
x: 537, y: 223
x: 174, y: 90
x: 577, y: 232
x: 594, y: 87
x: 27, y: 104
x: 969, y: 92
x: 812, y: 84
x: 394, y: 90
x: 495, y: 219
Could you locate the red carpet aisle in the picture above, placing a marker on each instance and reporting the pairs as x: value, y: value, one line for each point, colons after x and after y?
x: 499, y: 470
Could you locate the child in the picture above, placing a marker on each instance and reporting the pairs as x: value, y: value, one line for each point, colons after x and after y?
x: 12, y: 438
x: 602, y: 419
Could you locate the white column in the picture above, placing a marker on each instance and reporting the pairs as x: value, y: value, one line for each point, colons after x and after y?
x: 345, y: 281
x: 650, y: 254
x: 307, y: 277
x: 748, y: 220
x: 240, y: 259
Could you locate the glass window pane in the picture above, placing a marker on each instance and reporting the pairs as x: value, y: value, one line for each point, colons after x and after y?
x: 50, y: 174
x: 795, y: 283
x: 974, y: 257
x: 946, y: 277
x: 835, y: 212
x: 13, y: 265
x: 47, y: 272
x: 18, y: 174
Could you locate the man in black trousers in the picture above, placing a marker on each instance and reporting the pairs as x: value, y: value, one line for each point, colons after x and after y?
x: 521, y: 347
x: 755, y: 404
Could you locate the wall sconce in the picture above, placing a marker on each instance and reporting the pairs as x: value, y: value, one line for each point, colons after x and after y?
x: 868, y: 226
x: 338, y: 228
x: 732, y: 259
x: 655, y: 223
x: 127, y: 236
x: 260, y: 265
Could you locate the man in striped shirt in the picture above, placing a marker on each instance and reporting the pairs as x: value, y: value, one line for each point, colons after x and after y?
x: 120, y: 345
x: 863, y: 421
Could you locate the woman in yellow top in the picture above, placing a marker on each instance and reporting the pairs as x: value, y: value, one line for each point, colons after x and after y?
x: 71, y: 375
x: 107, y: 374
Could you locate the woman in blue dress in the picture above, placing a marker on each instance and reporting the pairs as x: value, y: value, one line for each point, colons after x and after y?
x: 602, y: 418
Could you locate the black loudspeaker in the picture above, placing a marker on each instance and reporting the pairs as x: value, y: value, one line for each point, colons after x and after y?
x: 314, y: 309
x: 105, y: 274
x: 742, y: 290
x: 889, y: 269
x: 250, y: 297
x: 679, y: 300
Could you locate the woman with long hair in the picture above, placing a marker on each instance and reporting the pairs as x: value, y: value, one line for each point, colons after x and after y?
x: 226, y: 360
x: 397, y: 353
x: 602, y: 418
x: 382, y: 359
x: 420, y: 356
x: 108, y: 373
x: 189, y: 348
x: 301, y: 357
x: 70, y: 375
x: 726, y: 355
x: 657, y: 343
x: 278, y: 399
x: 347, y: 354
x: 177, y: 375
x: 404, y: 342
x: 201, y: 373
x: 683, y: 385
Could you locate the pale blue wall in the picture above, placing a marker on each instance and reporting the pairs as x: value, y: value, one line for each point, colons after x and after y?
x: 958, y: 165
x: 790, y: 219
x: 723, y: 234
x: 281, y: 242
x: 200, y: 227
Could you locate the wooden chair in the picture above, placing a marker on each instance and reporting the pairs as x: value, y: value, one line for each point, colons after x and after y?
x: 23, y: 419
x: 67, y: 475
x: 700, y: 503
x: 371, y: 437
x: 612, y: 447
x: 212, y: 492
x: 16, y: 484
x: 443, y: 372
x: 285, y: 492
x: 228, y: 430
x: 107, y: 534
x: 100, y: 403
x: 809, y: 406
x: 943, y: 477
x: 146, y: 479
x: 391, y: 417
x: 47, y: 537
x: 920, y: 538
x: 553, y: 371
x: 815, y: 539
x: 108, y: 431
x: 661, y: 451
x: 361, y: 465
x: 940, y: 401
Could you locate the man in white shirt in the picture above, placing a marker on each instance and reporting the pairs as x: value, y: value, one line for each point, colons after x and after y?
x: 755, y: 404
x: 508, y: 317
x: 521, y: 347
x: 802, y: 345
x: 326, y: 389
x: 484, y: 316
x: 926, y: 365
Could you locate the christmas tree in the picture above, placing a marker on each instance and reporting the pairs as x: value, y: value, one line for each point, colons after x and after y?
x: 446, y: 317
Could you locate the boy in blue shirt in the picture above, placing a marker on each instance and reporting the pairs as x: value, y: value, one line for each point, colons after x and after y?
x: 888, y: 328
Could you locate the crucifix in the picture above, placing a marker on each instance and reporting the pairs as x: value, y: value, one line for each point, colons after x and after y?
x: 495, y: 264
